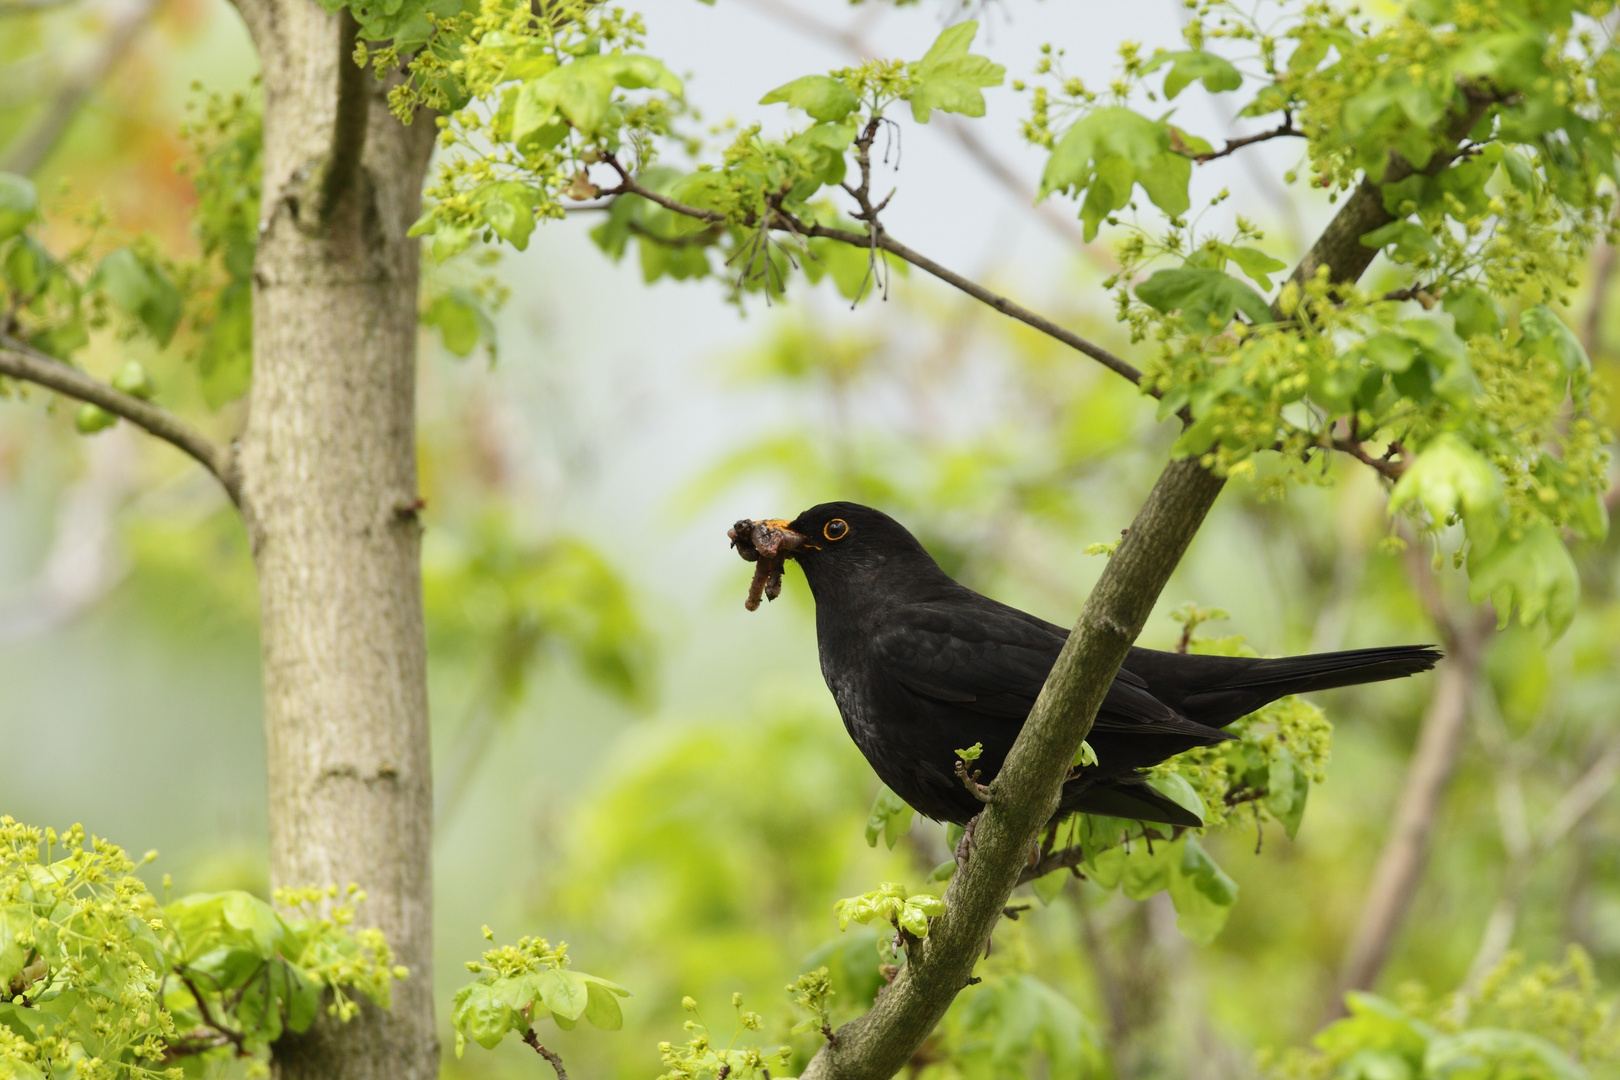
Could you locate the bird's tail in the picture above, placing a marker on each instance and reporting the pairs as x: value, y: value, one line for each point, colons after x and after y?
x: 1235, y: 686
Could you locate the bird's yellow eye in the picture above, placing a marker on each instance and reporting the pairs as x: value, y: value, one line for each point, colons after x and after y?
x: 836, y: 529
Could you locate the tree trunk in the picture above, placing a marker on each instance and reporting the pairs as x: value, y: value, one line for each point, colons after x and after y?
x: 328, y: 477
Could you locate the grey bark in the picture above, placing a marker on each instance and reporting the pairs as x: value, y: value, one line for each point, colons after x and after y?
x: 328, y: 479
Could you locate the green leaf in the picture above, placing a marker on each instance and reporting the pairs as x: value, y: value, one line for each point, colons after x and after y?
x: 824, y: 98
x: 1473, y: 311
x: 1048, y: 886
x: 1207, y: 299
x: 461, y: 320
x: 1202, y: 893
x: 890, y: 818
x: 1484, y: 1053
x: 949, y: 78
x: 1148, y: 869
x: 1287, y: 788
x: 1411, y: 242
x: 1175, y: 787
x: 125, y: 279
x: 1548, y: 336
x: 1450, y: 477
x: 1109, y: 152
x: 143, y: 290
x: 19, y: 204
x: 481, y: 1013
x: 1086, y: 755
x: 1378, y: 1025
x: 602, y: 1007
x: 1534, y: 573
x: 508, y: 208
x: 1256, y: 264
x: 562, y: 991
x: 1216, y: 71
x: 581, y: 92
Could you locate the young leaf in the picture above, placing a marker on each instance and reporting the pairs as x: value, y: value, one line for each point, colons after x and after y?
x: 1109, y: 152
x: 1534, y: 573
x: 949, y: 78
x: 1216, y: 72
x: 1202, y: 893
x: 1207, y: 299
x: 824, y: 98
x: 1450, y: 477
x: 890, y: 818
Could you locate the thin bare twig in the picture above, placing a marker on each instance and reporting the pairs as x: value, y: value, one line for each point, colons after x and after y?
x: 550, y: 1055
x: 29, y: 151
x: 881, y: 239
x: 19, y: 361
x: 1282, y: 130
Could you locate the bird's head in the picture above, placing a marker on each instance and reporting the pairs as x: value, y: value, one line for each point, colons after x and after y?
x: 833, y: 542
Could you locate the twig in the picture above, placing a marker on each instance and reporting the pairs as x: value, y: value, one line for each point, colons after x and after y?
x: 550, y: 1055
x: 235, y: 1038
x: 1284, y: 129
x: 29, y: 151
x: 1063, y: 858
x: 971, y: 782
x: 630, y: 186
x: 21, y: 362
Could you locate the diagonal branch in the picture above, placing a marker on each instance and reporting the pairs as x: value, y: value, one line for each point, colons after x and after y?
x: 630, y: 186
x: 18, y: 361
x: 1026, y: 791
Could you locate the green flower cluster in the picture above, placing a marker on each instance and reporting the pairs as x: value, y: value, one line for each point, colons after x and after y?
x: 101, y: 982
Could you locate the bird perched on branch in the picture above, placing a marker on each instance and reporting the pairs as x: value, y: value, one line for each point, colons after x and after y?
x: 922, y: 667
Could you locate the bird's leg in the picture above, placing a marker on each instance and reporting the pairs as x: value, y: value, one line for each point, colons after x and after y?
x: 965, y: 845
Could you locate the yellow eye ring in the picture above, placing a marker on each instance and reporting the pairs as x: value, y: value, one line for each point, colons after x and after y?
x: 836, y: 529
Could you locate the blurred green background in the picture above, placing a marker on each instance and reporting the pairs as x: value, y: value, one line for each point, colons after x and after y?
x: 628, y: 760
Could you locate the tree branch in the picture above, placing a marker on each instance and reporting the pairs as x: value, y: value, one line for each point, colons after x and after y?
x: 29, y: 151
x: 550, y: 1055
x: 1286, y: 128
x: 1026, y: 791
x: 630, y: 186
x: 25, y: 364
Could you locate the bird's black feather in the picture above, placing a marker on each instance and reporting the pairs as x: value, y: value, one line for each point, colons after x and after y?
x: 922, y: 667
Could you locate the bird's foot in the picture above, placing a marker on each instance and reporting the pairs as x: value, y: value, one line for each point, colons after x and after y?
x: 964, y: 846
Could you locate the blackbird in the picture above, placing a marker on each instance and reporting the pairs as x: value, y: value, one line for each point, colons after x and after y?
x: 922, y: 666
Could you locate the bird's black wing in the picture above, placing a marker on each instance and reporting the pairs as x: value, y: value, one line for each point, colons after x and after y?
x: 991, y: 660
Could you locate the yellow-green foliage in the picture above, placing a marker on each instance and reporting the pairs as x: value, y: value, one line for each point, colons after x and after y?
x: 101, y: 982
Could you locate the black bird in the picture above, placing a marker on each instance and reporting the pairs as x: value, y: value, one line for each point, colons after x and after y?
x: 922, y: 666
